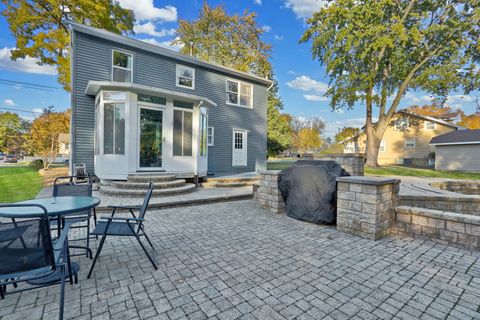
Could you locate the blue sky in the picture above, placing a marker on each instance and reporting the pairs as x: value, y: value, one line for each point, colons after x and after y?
x: 302, y: 81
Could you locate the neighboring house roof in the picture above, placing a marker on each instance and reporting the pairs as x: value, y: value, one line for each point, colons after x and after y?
x: 457, y: 137
x: 64, y: 138
x: 433, y: 119
x: 94, y: 87
x: 164, y: 52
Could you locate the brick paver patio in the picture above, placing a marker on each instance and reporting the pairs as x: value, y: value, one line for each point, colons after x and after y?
x: 235, y: 260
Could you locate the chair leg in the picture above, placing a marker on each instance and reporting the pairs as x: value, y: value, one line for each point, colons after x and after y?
x: 148, y: 239
x: 96, y: 255
x: 62, y: 293
x: 146, y: 252
x: 88, y: 237
x: 69, y: 264
x: 95, y: 221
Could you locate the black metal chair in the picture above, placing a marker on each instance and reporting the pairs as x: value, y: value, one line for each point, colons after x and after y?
x: 124, y: 227
x: 28, y: 254
x: 76, y: 186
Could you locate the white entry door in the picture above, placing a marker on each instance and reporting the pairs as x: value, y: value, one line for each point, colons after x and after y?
x: 239, y: 156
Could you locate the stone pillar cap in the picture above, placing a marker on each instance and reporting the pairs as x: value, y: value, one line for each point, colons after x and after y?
x: 375, y: 181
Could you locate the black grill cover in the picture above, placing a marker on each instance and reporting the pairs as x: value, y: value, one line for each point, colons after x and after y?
x: 309, y: 189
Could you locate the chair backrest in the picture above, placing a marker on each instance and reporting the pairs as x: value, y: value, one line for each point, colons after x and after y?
x: 25, y: 244
x: 70, y: 186
x: 144, y: 207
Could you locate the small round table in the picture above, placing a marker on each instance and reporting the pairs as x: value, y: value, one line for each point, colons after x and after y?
x: 56, y: 207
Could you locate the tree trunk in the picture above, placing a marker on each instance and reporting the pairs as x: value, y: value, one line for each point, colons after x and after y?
x: 373, y: 146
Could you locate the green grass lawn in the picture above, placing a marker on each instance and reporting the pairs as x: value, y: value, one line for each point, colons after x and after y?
x: 19, y: 183
x: 416, y: 172
x: 392, y: 171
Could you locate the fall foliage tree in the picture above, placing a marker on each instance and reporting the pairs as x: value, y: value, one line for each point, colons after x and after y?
x: 44, y: 132
x: 470, y: 121
x: 345, y: 133
x: 373, y: 50
x: 41, y: 30
x: 308, y: 139
x: 433, y: 110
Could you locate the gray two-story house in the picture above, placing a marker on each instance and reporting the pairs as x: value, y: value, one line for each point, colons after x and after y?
x: 140, y: 108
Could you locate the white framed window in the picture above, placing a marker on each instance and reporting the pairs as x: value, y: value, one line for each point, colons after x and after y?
x: 382, y: 147
x: 182, y: 133
x: 122, y: 66
x: 239, y: 93
x: 114, y: 128
x: 203, y: 135
x: 210, y: 136
x: 185, y: 77
x: 409, y: 143
x: 402, y: 124
x: 430, y: 125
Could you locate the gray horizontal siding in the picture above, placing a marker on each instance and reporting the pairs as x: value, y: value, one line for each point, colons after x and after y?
x: 92, y: 61
x: 458, y: 157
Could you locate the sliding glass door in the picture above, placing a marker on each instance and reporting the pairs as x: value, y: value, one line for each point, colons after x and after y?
x: 151, y: 138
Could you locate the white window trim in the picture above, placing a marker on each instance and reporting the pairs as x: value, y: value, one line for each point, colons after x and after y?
x: 384, y: 146
x: 183, y: 124
x: 414, y: 143
x: 244, y: 145
x: 407, y: 123
x: 212, y: 143
x: 240, y: 83
x: 434, y: 125
x: 177, y: 76
x: 122, y: 68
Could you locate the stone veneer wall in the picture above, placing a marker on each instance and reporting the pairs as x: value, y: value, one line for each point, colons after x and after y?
x: 353, y: 163
x: 462, y: 204
x: 267, y: 193
x: 449, y: 227
x: 365, y: 205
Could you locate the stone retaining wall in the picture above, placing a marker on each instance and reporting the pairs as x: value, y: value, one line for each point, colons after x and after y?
x: 461, y: 204
x: 464, y: 187
x: 267, y: 193
x: 365, y: 205
x: 449, y: 227
x: 353, y: 163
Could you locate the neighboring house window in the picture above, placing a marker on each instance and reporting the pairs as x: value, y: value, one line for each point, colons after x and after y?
x: 429, y: 125
x: 351, y: 147
x: 182, y: 133
x: 210, y: 137
x: 185, y: 77
x: 382, y: 146
x: 410, y: 143
x: 239, y: 93
x: 66, y: 146
x: 203, y: 135
x: 114, y: 128
x: 122, y: 66
x: 401, y: 124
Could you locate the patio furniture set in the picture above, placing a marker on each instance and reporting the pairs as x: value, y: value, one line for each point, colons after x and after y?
x: 34, y: 243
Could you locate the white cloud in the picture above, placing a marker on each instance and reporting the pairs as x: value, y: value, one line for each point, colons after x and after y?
x: 306, y: 83
x: 37, y: 110
x: 266, y: 28
x: 458, y: 98
x: 27, y: 65
x: 259, y: 2
x: 150, y: 29
x: 314, y: 97
x: 418, y: 99
x: 305, y: 8
x: 146, y: 10
x: 278, y: 37
x: 8, y: 102
x: 165, y: 44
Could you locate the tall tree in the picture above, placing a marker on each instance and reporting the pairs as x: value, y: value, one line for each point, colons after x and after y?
x: 345, y: 133
x: 43, y: 137
x: 308, y: 139
x: 236, y: 41
x: 374, y: 50
x: 41, y: 29
x: 471, y: 121
x: 12, y: 132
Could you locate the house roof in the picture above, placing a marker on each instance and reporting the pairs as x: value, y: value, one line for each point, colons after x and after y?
x: 104, y: 34
x: 433, y: 119
x: 94, y: 87
x: 457, y: 137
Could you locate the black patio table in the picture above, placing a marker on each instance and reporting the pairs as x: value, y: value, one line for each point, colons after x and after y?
x: 57, y: 207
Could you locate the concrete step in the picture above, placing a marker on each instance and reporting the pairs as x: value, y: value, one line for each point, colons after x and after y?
x: 140, y: 193
x: 215, y: 184
x: 233, y: 179
x: 144, y: 185
x: 148, y: 177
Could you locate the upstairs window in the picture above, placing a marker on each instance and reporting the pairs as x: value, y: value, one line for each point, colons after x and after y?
x: 401, y: 124
x: 382, y: 146
x: 429, y: 125
x: 185, y: 77
x: 409, y: 143
x: 239, y: 93
x: 122, y: 66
